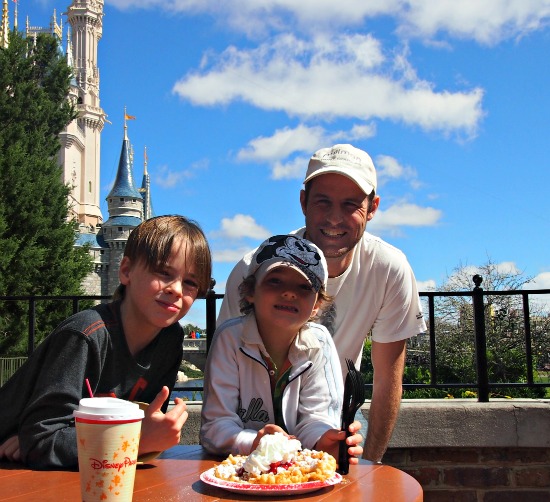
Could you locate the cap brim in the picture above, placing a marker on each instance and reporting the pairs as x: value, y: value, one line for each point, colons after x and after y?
x: 267, y: 267
x: 367, y: 188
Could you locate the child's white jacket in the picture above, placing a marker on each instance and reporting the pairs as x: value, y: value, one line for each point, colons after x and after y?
x: 237, y: 394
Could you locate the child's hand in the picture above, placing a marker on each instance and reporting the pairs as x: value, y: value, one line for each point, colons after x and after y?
x: 160, y: 431
x: 9, y: 449
x: 330, y: 441
x: 268, y: 429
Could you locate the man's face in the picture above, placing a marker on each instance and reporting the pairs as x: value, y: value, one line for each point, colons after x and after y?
x: 336, y: 217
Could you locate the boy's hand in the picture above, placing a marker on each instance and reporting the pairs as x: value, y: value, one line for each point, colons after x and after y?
x: 160, y: 431
x: 330, y: 442
x: 9, y: 449
x: 268, y: 429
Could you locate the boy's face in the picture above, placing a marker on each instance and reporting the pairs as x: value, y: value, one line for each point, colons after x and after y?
x: 160, y: 297
x: 283, y: 299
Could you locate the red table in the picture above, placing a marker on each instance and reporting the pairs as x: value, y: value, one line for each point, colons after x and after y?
x: 175, y: 476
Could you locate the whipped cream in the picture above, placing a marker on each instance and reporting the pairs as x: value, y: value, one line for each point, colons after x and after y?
x: 272, y: 448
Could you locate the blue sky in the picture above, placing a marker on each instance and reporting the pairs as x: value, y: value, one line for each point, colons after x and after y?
x: 451, y: 100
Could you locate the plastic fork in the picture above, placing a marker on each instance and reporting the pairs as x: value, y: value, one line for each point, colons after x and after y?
x: 354, y: 397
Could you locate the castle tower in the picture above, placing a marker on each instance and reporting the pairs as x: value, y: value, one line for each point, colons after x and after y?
x: 80, y: 152
x: 145, y: 190
x: 125, y: 206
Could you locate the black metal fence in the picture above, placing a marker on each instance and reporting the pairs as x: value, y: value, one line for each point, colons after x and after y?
x: 478, y: 305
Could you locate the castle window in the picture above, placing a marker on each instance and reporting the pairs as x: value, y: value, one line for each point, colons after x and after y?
x: 120, y: 229
x: 90, y: 186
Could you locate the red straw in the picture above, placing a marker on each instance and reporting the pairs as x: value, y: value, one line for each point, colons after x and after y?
x: 89, y: 388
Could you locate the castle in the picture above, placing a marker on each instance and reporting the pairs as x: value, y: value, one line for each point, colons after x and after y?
x: 79, y: 155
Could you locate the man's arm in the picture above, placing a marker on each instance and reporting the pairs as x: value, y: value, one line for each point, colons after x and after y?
x: 388, y: 360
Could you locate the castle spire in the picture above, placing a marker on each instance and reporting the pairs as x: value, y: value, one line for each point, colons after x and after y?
x: 124, y: 182
x: 145, y: 190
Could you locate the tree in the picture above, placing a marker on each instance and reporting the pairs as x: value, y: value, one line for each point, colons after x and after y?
x: 504, y: 328
x: 38, y: 255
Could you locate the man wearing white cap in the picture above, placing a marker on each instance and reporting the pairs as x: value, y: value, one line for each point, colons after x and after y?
x: 371, y: 282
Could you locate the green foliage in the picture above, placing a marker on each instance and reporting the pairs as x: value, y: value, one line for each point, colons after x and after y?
x: 504, y: 331
x: 38, y: 254
x: 455, y: 339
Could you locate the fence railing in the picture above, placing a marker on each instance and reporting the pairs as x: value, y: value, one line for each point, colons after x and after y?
x: 478, y: 297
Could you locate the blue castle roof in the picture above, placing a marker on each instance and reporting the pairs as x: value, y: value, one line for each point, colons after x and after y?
x: 124, y: 183
x: 95, y: 240
x: 122, y: 221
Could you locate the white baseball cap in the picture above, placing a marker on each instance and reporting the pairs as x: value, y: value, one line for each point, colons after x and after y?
x: 346, y: 160
x: 290, y: 251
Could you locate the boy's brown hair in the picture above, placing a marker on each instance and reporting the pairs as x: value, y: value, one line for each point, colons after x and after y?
x: 152, y: 241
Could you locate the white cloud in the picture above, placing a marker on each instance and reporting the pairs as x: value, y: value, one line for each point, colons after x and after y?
x: 280, y: 149
x: 168, y: 178
x: 428, y: 285
x: 229, y: 256
x: 540, y: 281
x: 507, y: 268
x: 293, y: 169
x: 283, y: 143
x: 487, y: 21
x: 328, y: 79
x: 388, y: 168
x: 241, y: 226
x: 404, y: 214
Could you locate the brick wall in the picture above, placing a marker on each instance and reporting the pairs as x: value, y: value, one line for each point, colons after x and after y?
x: 461, y: 450
x: 477, y: 474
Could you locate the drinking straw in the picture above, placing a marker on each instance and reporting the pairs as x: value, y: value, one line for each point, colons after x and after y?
x: 89, y: 388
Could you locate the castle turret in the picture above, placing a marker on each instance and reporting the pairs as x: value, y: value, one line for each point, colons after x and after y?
x: 125, y: 206
x: 145, y: 190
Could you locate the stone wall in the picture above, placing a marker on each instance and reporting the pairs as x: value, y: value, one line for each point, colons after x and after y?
x: 464, y: 451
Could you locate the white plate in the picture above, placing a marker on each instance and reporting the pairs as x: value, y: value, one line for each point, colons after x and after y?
x: 266, y: 490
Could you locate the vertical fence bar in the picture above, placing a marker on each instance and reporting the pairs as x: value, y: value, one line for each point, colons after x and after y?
x: 32, y: 327
x: 210, y: 314
x: 528, y: 343
x: 481, y: 342
x: 433, y: 366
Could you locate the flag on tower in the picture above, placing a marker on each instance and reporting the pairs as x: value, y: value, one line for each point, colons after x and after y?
x: 129, y: 117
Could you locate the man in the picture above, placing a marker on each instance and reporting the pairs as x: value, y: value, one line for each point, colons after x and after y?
x: 371, y: 282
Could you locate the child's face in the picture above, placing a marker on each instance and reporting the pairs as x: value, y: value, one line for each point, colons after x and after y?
x: 161, y: 297
x: 284, y: 298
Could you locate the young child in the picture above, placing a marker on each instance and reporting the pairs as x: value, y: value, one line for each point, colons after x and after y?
x: 130, y: 348
x: 272, y: 370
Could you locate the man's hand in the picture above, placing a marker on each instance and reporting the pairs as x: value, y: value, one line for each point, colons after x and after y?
x: 160, y: 431
x: 9, y: 449
x: 330, y: 442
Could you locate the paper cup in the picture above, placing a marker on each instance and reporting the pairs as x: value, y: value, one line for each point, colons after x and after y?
x: 107, y: 432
